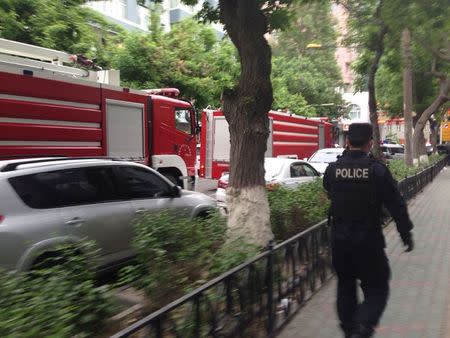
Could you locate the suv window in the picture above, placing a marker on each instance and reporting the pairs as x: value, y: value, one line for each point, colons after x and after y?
x: 138, y: 183
x: 66, y: 187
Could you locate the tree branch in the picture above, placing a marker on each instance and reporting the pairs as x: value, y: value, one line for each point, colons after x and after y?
x: 442, y: 55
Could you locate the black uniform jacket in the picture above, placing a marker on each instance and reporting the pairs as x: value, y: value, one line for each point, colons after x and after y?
x: 383, y: 190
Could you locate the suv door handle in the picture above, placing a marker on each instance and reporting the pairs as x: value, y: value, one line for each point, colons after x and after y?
x: 140, y: 211
x: 76, y: 221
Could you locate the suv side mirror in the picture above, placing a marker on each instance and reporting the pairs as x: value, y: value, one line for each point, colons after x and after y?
x: 175, y: 191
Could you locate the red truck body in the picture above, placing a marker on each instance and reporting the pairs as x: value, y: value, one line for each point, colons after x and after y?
x: 46, y: 113
x: 291, y: 135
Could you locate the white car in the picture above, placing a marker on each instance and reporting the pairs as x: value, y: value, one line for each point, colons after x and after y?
x: 393, y: 151
x: 284, y: 172
x: 323, y: 157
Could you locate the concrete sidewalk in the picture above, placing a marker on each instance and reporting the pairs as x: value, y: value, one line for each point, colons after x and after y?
x: 419, y: 304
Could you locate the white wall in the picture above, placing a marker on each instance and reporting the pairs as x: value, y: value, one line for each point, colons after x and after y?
x: 360, y: 102
x: 123, y: 12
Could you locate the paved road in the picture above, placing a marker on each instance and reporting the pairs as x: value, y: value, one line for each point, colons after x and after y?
x: 419, y: 305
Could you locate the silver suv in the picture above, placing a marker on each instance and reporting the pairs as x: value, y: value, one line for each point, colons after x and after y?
x: 46, y: 202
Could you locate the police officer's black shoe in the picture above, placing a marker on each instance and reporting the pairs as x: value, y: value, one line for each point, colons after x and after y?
x: 362, y: 331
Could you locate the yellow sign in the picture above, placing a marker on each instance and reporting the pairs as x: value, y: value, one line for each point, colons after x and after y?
x: 445, y: 131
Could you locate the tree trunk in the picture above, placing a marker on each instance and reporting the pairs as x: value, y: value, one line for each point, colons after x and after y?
x: 407, y: 94
x: 443, y: 97
x: 246, y: 110
x: 373, y: 111
x: 434, y: 134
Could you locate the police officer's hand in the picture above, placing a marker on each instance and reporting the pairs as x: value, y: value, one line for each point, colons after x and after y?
x: 408, y: 241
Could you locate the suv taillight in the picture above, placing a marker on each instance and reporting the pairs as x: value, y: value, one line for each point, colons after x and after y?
x: 222, y: 184
x: 2, y: 217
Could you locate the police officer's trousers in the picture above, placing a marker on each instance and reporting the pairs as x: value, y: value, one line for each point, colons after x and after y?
x: 370, y: 266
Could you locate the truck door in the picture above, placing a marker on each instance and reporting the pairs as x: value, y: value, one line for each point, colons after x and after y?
x: 184, y: 135
x: 321, y: 136
x: 125, y: 129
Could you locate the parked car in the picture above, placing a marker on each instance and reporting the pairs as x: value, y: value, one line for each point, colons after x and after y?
x: 323, y: 157
x: 279, y: 171
x: 50, y: 201
x: 393, y: 151
x: 443, y: 149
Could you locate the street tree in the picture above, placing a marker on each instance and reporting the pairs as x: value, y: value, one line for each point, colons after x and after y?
x: 367, y: 32
x: 431, y: 28
x: 246, y: 107
x: 407, y: 94
x: 426, y: 62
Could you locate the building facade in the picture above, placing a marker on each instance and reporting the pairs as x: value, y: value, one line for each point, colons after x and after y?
x: 134, y: 17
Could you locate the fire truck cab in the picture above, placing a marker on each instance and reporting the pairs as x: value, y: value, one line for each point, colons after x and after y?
x: 48, y: 107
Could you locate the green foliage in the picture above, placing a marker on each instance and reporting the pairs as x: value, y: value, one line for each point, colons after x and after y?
x: 303, y: 76
x: 61, y: 25
x: 57, y: 300
x: 172, y: 253
x: 430, y: 28
x: 390, y: 80
x: 400, y: 170
x: 294, y: 210
x: 230, y: 255
x: 189, y: 58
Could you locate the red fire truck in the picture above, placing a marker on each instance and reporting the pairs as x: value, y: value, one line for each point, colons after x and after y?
x: 49, y: 108
x: 290, y: 136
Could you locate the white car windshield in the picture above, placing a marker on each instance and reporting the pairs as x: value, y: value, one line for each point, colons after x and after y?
x: 324, y: 157
x: 272, y: 166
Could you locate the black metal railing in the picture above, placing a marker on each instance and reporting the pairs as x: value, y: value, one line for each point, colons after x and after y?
x: 253, y: 299
x: 259, y: 296
x: 410, y: 186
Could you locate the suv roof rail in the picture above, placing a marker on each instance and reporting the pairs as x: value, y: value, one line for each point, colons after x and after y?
x: 13, y: 166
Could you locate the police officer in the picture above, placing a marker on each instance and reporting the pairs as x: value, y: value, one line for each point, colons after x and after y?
x: 358, y: 186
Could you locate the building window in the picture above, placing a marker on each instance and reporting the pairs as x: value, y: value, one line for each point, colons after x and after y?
x: 354, y: 111
x: 123, y: 5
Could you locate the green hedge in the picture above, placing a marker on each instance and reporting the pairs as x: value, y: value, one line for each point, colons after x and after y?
x: 60, y: 299
x: 400, y: 170
x: 174, y: 254
x: 294, y: 210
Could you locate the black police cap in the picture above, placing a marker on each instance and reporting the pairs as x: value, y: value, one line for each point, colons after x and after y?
x: 360, y: 132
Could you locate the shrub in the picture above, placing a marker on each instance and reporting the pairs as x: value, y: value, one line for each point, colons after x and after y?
x: 294, y: 210
x: 400, y: 170
x: 173, y: 254
x: 59, y: 299
x: 230, y: 255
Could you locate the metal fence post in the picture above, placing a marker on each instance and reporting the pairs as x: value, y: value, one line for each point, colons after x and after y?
x: 270, y: 307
